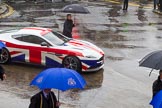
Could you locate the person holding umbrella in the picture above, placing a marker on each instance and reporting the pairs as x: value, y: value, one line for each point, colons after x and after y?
x: 75, y: 9
x: 57, y: 78
x: 44, y: 99
x: 153, y: 60
x: 157, y: 85
x: 68, y: 26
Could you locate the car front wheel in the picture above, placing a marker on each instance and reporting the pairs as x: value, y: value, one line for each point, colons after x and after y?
x: 72, y: 62
x: 4, y: 56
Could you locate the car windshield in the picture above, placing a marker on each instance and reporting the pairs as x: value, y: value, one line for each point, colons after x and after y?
x: 56, y: 38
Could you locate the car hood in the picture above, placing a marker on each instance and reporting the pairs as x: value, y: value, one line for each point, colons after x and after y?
x: 88, y: 49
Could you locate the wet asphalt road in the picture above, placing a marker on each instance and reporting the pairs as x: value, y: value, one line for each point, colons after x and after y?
x: 125, y: 38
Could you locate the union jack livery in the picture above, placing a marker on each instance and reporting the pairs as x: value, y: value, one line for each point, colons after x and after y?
x: 46, y: 47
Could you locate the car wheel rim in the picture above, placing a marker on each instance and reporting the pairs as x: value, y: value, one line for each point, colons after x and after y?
x: 70, y: 63
x: 3, y: 56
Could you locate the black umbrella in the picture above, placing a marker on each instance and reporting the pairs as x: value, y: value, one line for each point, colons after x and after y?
x: 75, y: 8
x: 152, y: 60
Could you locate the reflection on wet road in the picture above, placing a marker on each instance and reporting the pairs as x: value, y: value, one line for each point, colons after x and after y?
x: 125, y: 38
x: 19, y: 76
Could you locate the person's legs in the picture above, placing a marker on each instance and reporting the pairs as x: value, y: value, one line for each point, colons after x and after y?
x: 155, y: 4
x: 124, y: 5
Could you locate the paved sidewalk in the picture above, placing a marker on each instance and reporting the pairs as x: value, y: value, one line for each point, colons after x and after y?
x: 5, y: 10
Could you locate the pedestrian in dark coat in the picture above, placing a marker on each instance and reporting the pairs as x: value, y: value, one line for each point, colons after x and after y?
x: 125, y: 6
x: 68, y: 26
x: 44, y: 99
x: 157, y: 85
x: 2, y: 73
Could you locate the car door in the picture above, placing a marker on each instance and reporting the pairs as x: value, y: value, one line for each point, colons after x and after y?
x: 36, y: 51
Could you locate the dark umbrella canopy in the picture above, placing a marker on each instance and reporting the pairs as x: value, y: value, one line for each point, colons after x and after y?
x: 152, y: 60
x: 75, y: 8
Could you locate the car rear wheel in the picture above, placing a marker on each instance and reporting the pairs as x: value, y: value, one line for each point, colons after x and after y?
x: 72, y: 62
x: 4, y: 56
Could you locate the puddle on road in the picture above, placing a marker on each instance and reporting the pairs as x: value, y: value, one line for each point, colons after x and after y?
x: 103, y: 35
x: 108, y: 39
x: 19, y: 76
x: 120, y: 46
x: 159, y: 37
x: 141, y: 15
x: 114, y: 58
x: 92, y: 77
x: 30, y: 15
x: 114, y: 12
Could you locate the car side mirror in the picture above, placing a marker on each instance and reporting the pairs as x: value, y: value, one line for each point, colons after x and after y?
x: 44, y: 44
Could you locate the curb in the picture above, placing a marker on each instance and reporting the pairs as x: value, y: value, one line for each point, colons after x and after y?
x: 8, y: 10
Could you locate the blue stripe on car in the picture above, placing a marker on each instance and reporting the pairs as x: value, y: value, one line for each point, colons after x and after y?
x: 50, y: 62
x: 19, y: 58
x: 92, y: 63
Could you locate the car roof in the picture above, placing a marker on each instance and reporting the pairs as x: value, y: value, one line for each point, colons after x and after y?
x: 35, y: 30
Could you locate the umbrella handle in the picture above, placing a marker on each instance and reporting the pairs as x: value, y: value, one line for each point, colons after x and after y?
x: 58, y: 96
x: 74, y: 20
x: 150, y: 72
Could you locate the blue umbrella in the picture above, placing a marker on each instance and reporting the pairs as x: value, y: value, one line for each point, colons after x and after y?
x: 156, y: 102
x: 59, y: 78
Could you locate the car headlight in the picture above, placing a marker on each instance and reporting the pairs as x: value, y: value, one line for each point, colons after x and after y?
x: 90, y: 56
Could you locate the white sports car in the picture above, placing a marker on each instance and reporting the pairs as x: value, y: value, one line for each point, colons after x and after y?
x: 44, y: 46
